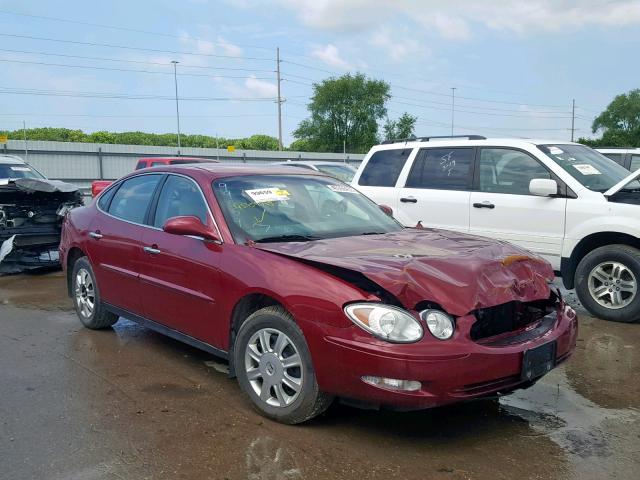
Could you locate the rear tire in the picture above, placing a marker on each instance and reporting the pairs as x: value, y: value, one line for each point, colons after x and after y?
x: 86, y: 297
x: 607, y: 283
x: 273, y: 366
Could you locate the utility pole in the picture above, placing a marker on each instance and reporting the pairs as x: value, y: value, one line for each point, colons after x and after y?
x: 175, y: 80
x: 344, y: 149
x: 217, y: 148
x: 24, y: 134
x: 453, y: 104
x: 279, y: 99
x: 573, y: 118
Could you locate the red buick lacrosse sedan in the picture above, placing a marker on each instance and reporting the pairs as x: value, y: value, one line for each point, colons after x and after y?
x: 311, y: 291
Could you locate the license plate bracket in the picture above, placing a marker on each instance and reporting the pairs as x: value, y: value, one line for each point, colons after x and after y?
x: 538, y: 361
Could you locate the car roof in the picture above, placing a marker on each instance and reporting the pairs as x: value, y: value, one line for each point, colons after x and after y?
x: 12, y: 159
x: 220, y: 170
x: 461, y: 142
x: 200, y: 159
x: 310, y: 162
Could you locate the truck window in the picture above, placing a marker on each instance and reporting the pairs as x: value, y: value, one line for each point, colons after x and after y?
x: 442, y: 169
x: 503, y: 170
x: 383, y: 168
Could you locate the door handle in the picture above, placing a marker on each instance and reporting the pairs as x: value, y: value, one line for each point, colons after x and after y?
x: 152, y: 250
x: 409, y: 200
x: 484, y: 204
x: 97, y: 235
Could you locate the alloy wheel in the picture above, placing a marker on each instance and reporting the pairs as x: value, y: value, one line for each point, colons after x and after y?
x: 273, y: 367
x: 85, y: 293
x: 612, y: 284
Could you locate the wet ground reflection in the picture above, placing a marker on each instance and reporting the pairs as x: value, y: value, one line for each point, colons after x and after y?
x: 130, y: 403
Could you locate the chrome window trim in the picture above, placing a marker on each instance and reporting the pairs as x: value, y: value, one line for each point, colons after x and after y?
x: 119, y: 182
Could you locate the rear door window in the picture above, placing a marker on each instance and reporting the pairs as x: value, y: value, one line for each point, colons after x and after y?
x: 635, y: 163
x: 132, y: 199
x: 442, y: 169
x: 141, y: 164
x: 384, y: 167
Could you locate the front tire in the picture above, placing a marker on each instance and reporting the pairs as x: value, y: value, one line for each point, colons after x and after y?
x: 607, y: 283
x: 274, y: 368
x: 86, y: 297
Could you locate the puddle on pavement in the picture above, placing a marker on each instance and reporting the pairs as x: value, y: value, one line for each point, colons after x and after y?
x: 36, y: 290
x: 158, y: 408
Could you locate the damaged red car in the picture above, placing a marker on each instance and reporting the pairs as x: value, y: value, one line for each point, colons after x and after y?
x: 311, y: 291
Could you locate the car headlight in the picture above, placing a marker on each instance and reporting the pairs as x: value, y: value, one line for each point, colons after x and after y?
x: 385, y: 322
x: 439, y: 323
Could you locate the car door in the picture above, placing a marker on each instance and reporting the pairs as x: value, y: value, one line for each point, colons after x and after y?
x: 180, y: 274
x: 380, y: 174
x: 503, y: 208
x: 114, y: 245
x: 437, y: 189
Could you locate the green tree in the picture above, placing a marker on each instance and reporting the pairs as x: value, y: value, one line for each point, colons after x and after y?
x: 345, y: 109
x: 254, y: 142
x: 619, y: 122
x: 401, y: 128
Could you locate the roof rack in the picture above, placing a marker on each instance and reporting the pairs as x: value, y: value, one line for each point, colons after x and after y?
x: 426, y: 139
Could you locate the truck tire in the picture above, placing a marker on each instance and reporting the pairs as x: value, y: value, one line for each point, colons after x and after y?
x: 86, y: 297
x: 607, y: 283
x: 274, y: 369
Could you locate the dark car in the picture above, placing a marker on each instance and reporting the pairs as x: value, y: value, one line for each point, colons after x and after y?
x: 31, y: 212
x: 311, y: 291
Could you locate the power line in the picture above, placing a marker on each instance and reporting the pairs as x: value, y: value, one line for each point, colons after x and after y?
x: 126, y: 29
x: 133, y: 116
x: 31, y: 52
x: 127, y: 96
x: 126, y: 47
x: 92, y: 67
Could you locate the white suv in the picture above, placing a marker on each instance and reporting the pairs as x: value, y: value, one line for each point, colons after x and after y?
x: 563, y: 201
x: 629, y: 158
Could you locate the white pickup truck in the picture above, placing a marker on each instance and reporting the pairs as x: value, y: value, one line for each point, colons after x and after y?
x: 563, y: 201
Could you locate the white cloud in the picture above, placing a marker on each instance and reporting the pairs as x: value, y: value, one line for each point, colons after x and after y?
x: 201, y: 45
x: 455, y: 20
x: 330, y: 55
x: 259, y: 88
x: 398, y: 46
x: 339, y: 15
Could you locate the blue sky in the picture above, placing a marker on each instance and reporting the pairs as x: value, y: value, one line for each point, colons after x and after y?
x: 515, y: 65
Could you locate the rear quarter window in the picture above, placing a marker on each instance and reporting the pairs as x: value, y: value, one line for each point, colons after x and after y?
x: 384, y: 167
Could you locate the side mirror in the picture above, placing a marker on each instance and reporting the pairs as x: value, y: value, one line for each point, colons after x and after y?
x: 189, y: 225
x: 543, y: 187
x: 386, y: 209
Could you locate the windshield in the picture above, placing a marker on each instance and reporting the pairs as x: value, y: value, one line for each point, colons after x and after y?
x: 280, y: 208
x: 341, y: 172
x: 592, y: 169
x: 16, y: 170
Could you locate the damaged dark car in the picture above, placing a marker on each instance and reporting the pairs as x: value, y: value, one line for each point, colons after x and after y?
x: 311, y: 291
x: 31, y: 212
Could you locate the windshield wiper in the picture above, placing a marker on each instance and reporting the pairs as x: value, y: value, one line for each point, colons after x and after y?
x: 286, y: 238
x: 373, y: 233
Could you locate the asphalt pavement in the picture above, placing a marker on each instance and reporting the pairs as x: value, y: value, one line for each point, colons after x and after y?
x: 128, y: 403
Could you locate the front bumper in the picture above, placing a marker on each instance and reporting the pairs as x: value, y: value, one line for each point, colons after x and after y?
x: 449, y: 371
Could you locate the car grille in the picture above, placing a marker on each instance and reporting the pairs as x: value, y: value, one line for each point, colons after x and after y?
x: 525, y: 319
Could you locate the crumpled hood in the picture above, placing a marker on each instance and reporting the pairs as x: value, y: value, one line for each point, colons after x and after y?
x: 457, y: 271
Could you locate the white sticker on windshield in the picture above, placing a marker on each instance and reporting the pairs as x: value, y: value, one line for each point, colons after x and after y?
x: 262, y: 195
x: 586, y: 169
x: 555, y: 151
x: 20, y: 169
x: 337, y: 187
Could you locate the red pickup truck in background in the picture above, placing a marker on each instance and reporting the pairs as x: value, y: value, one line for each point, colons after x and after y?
x: 99, y: 185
